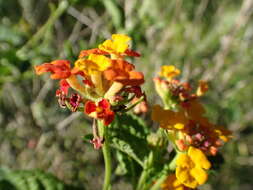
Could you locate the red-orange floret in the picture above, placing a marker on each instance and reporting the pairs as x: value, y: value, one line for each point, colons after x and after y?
x: 96, y: 51
x: 123, y: 72
x: 101, y: 110
x: 64, y: 86
x: 60, y: 69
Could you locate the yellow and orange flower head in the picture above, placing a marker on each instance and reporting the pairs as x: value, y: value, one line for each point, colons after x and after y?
x: 172, y: 183
x: 191, y: 168
x: 101, y: 110
x: 104, y: 74
x: 169, y: 72
x: 60, y: 69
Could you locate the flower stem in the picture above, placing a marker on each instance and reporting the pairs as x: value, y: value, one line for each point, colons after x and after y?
x: 134, y: 104
x: 146, y: 171
x: 103, y: 130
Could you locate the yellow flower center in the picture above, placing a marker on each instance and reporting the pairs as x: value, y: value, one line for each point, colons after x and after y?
x: 94, y: 63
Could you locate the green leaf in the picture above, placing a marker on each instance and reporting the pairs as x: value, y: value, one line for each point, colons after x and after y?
x: 128, y: 134
x: 127, y: 167
x: 30, y: 180
x: 88, y: 138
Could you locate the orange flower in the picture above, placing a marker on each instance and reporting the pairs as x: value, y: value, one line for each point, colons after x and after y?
x: 101, y: 110
x: 169, y: 119
x: 195, y: 111
x: 123, y: 72
x: 60, y: 69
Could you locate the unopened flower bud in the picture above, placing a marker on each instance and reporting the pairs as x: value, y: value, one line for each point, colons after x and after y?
x: 155, y: 139
x: 140, y: 108
x: 202, y: 88
x: 188, y: 139
x: 207, y: 143
x: 213, y: 150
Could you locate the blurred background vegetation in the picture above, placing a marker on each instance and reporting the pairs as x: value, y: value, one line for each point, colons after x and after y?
x: 207, y: 39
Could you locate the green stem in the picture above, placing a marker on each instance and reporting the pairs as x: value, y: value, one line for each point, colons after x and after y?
x: 103, y: 132
x: 146, y: 171
x: 172, y: 164
x: 142, y: 179
x: 134, y: 104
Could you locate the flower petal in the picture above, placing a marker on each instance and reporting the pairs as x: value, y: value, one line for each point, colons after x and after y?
x: 64, y: 86
x: 90, y: 107
x: 199, y: 175
x: 96, y: 51
x: 60, y: 69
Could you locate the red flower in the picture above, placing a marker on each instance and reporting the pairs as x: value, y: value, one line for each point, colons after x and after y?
x: 74, y: 101
x: 64, y: 86
x: 101, y: 110
x: 132, y: 53
x: 97, y: 142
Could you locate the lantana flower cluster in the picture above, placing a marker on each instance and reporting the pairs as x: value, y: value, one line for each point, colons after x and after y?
x: 103, y: 82
x: 192, y: 134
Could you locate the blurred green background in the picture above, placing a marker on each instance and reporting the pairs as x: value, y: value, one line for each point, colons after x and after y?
x: 207, y: 39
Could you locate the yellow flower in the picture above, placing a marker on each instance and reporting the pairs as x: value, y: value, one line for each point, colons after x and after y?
x: 191, y: 168
x: 202, y: 88
x: 93, y: 67
x: 118, y: 44
x: 93, y: 64
x: 169, y: 71
x: 172, y: 183
x: 169, y: 119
